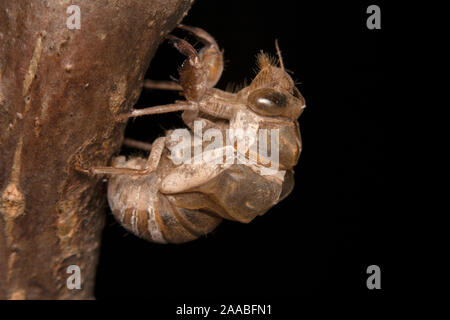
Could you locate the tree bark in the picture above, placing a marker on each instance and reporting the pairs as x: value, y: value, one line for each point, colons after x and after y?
x: 60, y: 90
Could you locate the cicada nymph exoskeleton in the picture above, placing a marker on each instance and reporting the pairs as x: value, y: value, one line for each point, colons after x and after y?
x: 167, y: 202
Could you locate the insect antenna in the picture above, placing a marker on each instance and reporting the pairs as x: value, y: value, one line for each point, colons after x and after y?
x: 280, y: 59
x: 279, y: 54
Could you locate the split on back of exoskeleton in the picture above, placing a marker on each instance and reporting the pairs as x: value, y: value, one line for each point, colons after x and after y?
x: 163, y: 202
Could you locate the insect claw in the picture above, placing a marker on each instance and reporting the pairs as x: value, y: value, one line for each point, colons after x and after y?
x: 81, y: 169
x: 172, y: 39
x: 123, y: 116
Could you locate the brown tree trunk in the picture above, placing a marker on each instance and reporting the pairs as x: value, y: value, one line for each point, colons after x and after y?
x: 60, y: 90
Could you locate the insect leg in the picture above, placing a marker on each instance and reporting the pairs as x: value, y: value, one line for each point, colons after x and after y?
x: 162, y: 85
x: 155, y: 154
x: 201, y: 34
x: 112, y: 171
x: 174, y: 107
x: 210, y: 55
x: 137, y: 144
x: 152, y: 163
x: 193, y: 73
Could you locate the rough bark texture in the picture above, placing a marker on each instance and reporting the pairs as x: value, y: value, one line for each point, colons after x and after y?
x: 60, y: 90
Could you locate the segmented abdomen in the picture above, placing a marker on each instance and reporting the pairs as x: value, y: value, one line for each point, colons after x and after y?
x: 138, y: 205
x: 236, y: 193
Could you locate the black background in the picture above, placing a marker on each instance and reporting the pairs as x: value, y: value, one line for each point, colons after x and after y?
x: 318, y: 241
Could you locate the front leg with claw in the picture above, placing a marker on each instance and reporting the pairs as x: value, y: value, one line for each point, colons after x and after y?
x: 151, y: 166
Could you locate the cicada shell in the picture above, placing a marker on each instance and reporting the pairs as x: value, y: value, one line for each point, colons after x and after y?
x: 165, y: 202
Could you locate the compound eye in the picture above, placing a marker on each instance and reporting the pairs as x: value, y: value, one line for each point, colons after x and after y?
x: 268, y: 102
